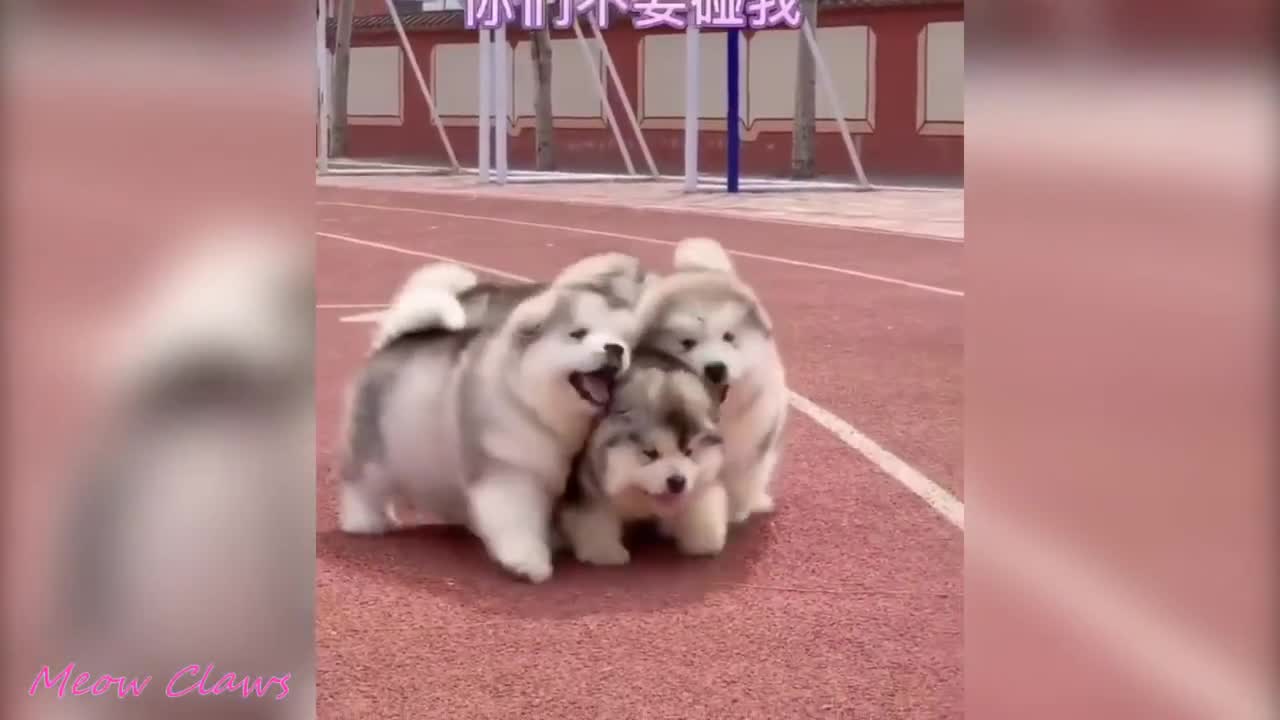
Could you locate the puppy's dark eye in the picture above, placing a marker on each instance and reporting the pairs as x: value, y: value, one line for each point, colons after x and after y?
x: 651, y: 454
x: 688, y: 451
x: 729, y: 337
x: 578, y: 334
x: 689, y: 343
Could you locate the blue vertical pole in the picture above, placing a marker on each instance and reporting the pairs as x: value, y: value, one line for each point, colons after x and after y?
x: 732, y: 115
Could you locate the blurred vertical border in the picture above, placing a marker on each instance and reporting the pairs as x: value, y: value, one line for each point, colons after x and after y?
x: 158, y: 300
x: 1121, y: 357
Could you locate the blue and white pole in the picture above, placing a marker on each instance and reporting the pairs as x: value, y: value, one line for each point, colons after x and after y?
x: 691, y: 109
x: 731, y: 124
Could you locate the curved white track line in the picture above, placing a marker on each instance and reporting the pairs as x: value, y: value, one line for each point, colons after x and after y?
x: 707, y: 212
x: 653, y: 241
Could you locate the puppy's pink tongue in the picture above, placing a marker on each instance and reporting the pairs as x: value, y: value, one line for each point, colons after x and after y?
x: 598, y: 389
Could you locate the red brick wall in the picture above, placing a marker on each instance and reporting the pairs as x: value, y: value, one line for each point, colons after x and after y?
x: 895, y: 149
x: 370, y: 7
x: 362, y: 7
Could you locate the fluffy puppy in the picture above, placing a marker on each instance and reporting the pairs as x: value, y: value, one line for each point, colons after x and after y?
x: 479, y: 424
x: 655, y: 457
x: 706, y: 317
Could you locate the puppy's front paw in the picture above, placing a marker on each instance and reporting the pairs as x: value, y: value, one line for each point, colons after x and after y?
x: 703, y: 528
x: 531, y: 562
x: 603, y: 554
x: 759, y: 504
x: 705, y: 539
x: 762, y: 504
x: 360, y: 514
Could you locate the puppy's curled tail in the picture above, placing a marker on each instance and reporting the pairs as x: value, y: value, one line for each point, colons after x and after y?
x: 702, y: 253
x: 428, y: 300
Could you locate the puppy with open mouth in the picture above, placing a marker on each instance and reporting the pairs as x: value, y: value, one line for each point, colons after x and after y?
x: 655, y: 457
x: 476, y: 398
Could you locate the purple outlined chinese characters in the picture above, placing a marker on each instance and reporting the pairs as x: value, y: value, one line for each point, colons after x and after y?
x: 487, y: 14
x: 533, y: 14
x: 652, y: 13
x: 719, y: 13
x: 646, y: 14
x: 763, y: 14
x: 600, y: 8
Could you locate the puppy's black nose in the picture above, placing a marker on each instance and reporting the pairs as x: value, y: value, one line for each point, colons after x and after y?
x: 612, y: 359
x: 676, y: 483
x: 715, y: 372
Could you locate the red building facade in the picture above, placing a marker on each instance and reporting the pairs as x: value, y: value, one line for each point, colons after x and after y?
x: 898, y: 138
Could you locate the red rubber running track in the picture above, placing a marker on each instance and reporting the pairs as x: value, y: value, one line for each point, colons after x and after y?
x: 845, y: 603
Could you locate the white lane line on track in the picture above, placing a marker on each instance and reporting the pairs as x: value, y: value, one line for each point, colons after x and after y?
x: 369, y: 317
x: 1157, y: 649
x: 374, y: 311
x: 419, y: 253
x: 703, y: 211
x: 932, y: 493
x: 655, y: 241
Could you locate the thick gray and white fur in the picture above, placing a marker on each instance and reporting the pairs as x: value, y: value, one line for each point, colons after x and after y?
x: 656, y: 456
x: 704, y: 315
x: 475, y: 418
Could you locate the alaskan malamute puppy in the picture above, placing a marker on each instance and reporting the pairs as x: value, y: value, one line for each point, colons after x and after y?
x: 655, y: 457
x: 475, y: 418
x: 707, y: 317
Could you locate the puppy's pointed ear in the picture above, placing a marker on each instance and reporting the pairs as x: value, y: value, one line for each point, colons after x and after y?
x: 613, y: 275
x: 655, y: 300
x: 596, y: 269
x: 702, y: 253
x: 529, y: 319
x: 760, y: 319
